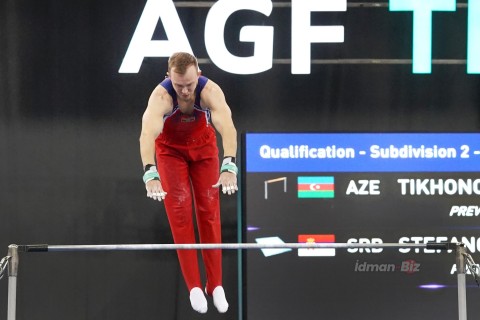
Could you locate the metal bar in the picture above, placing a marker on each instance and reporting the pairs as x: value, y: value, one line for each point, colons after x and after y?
x: 460, y: 253
x: 284, y: 4
x: 371, y: 61
x: 280, y: 61
x: 12, y: 281
x: 12, y: 298
x: 235, y: 246
x: 381, y: 5
x: 193, y: 4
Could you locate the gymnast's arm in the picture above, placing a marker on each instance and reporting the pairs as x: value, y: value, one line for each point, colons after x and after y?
x: 213, y: 97
x: 159, y: 104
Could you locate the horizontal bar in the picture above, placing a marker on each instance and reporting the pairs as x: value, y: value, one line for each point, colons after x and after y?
x: 357, y: 61
x: 287, y: 4
x: 150, y: 247
x: 371, y: 61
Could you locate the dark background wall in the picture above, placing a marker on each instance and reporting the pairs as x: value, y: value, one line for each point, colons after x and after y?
x: 70, y: 171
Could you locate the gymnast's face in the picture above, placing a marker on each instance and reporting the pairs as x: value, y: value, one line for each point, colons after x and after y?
x: 185, y: 84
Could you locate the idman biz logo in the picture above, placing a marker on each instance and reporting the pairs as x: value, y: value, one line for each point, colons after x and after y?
x: 407, y: 266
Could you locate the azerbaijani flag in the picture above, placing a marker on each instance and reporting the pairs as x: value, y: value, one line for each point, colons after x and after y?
x: 316, y: 238
x: 316, y: 187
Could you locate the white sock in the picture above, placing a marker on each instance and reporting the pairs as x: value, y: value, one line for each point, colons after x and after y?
x: 198, y: 301
x: 219, y: 299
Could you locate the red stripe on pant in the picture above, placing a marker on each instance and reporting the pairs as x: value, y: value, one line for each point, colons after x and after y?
x: 183, y: 171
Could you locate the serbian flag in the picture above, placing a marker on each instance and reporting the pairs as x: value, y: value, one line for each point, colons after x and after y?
x: 316, y: 238
x: 316, y: 187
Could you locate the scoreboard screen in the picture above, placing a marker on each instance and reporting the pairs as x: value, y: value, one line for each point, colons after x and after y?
x: 358, y: 188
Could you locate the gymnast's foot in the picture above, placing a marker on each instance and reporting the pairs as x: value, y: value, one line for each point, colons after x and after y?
x: 198, y: 301
x: 219, y: 299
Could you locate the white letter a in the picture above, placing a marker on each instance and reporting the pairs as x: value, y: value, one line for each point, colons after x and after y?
x: 142, y: 44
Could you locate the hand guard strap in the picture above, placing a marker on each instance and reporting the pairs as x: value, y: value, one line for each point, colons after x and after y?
x: 229, y: 167
x: 151, y: 174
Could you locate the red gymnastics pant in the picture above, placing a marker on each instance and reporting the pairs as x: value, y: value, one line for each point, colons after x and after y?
x: 187, y: 174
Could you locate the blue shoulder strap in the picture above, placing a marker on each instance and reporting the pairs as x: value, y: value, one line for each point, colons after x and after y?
x: 167, y: 84
x: 202, y: 81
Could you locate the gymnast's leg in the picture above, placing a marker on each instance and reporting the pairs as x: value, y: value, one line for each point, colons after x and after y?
x: 204, y: 174
x: 178, y: 204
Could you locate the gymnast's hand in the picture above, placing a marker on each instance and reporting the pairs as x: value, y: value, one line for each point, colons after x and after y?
x: 155, y: 190
x: 228, y: 181
x: 153, y: 183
